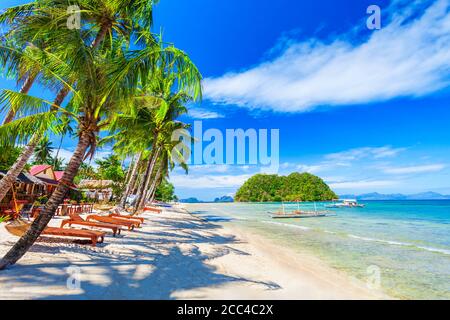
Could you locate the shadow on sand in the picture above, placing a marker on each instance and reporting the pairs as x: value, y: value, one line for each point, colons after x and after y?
x: 158, y: 273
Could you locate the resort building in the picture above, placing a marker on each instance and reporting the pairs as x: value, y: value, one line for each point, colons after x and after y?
x: 98, y: 190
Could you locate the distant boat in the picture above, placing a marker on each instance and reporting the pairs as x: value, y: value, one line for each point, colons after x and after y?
x: 346, y: 203
x: 299, y: 213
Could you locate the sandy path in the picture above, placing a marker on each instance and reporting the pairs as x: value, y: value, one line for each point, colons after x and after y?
x: 174, y: 255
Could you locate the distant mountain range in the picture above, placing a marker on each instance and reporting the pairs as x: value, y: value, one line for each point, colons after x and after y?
x: 224, y: 199
x: 191, y: 200
x: 397, y: 196
x: 217, y: 200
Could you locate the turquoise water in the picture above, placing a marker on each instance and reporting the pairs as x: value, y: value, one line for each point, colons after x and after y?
x: 407, y: 241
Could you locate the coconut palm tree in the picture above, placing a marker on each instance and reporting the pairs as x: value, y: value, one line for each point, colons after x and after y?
x: 43, y: 152
x: 171, y: 105
x: 46, y: 21
x: 87, y: 171
x: 65, y: 128
x: 107, y: 83
x: 58, y: 164
x: 169, y: 158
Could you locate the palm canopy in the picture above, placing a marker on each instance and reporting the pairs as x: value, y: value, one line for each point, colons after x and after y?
x: 115, y: 17
x: 153, y: 116
x: 44, y: 23
x: 107, y: 85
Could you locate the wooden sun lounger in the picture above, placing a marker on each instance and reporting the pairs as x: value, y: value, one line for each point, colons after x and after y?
x: 75, y: 219
x: 19, y: 227
x: 122, y: 222
x: 116, y: 214
x: 94, y: 236
x: 153, y: 209
x: 126, y: 217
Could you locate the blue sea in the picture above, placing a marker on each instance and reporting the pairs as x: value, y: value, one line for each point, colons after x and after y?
x: 408, y: 242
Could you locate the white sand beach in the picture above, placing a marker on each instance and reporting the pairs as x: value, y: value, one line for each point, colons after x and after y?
x: 174, y: 256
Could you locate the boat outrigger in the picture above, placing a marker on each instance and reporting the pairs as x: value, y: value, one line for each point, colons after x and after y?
x: 299, y: 213
x: 346, y: 203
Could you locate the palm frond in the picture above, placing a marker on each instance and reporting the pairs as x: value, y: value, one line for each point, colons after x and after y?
x: 18, y: 131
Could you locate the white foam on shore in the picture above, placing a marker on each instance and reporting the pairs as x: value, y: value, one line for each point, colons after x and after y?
x: 403, y: 244
x: 390, y: 242
x: 288, y: 225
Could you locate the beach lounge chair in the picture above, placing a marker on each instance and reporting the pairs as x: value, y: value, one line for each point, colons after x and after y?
x: 19, y: 227
x: 76, y: 219
x: 122, y: 222
x: 116, y: 214
x: 152, y: 209
x: 94, y: 236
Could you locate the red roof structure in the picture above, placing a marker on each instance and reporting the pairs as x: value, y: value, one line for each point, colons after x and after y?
x: 39, y: 168
x: 59, y: 175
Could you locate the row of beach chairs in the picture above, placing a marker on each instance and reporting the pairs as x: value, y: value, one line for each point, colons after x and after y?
x: 112, y: 222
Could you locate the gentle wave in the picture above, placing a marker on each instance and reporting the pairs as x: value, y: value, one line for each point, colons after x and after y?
x: 288, y: 225
x: 404, y: 244
x: 395, y: 243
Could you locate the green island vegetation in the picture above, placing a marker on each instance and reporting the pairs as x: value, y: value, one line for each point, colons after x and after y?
x: 294, y: 187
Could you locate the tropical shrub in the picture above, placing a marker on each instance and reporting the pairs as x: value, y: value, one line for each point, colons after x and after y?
x: 165, y: 192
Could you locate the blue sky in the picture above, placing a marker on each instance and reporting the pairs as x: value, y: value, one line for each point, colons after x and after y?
x: 367, y: 110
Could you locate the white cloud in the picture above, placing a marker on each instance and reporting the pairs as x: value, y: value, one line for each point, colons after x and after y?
x: 407, y: 58
x: 209, y: 181
x: 313, y: 168
x: 365, y: 152
x: 204, y: 114
x: 415, y: 169
x: 63, y: 154
x: 363, y: 184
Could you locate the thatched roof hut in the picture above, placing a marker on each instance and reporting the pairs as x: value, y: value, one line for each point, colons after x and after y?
x: 95, y: 184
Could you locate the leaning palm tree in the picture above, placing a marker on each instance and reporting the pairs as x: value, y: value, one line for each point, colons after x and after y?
x: 169, y: 158
x: 107, y: 83
x: 170, y: 106
x: 45, y: 22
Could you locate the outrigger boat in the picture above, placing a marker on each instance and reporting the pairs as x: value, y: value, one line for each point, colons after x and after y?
x: 299, y: 213
x: 346, y: 204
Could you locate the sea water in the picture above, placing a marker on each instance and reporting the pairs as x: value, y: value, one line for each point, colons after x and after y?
x: 407, y: 242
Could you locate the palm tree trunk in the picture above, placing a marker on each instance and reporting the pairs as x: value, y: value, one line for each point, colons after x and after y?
x: 141, y: 188
x: 105, y: 27
x: 122, y: 166
x: 62, y: 94
x: 150, y: 194
x: 39, y: 224
x: 12, y: 174
x: 140, y: 199
x: 58, y: 150
x: 130, y: 184
x: 24, y: 90
x: 153, y: 196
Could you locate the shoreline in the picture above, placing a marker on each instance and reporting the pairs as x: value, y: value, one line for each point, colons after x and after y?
x: 176, y: 255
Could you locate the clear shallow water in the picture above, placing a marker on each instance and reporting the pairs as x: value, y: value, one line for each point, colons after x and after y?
x: 409, y: 241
